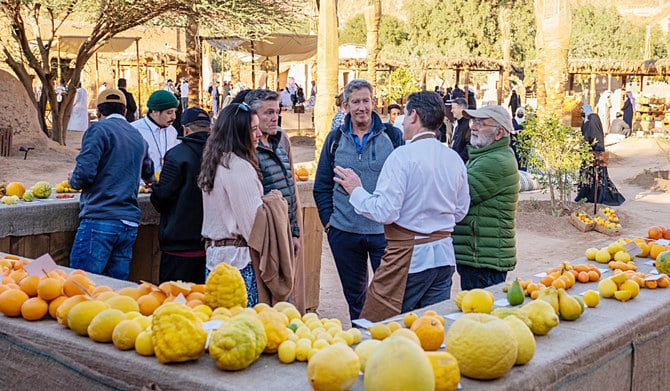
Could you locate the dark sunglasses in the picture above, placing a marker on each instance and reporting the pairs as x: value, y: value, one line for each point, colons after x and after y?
x: 242, y: 106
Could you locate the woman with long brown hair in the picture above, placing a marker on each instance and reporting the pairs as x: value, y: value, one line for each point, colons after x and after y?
x: 231, y: 191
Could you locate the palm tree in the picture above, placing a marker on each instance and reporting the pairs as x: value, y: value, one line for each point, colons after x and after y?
x: 327, y: 66
x: 554, y: 24
x: 373, y: 15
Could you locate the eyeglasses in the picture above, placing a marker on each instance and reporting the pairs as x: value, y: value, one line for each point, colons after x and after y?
x: 480, y: 122
x: 242, y: 106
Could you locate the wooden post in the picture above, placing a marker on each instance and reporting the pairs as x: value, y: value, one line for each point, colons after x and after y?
x: 592, y: 91
x: 118, y: 69
x: 466, y: 85
x: 571, y: 83
x: 277, y: 81
x: 609, y: 82
x: 312, y: 239
x: 139, y: 79
x: 458, y: 77
x: 641, y: 83
x: 58, y: 61
x: 97, y: 75
x: 253, y: 66
x: 499, y: 86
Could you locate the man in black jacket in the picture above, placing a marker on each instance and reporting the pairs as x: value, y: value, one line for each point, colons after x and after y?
x: 131, y: 106
x: 178, y: 199
x: 461, y: 136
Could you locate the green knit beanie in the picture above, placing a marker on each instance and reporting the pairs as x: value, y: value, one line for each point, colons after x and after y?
x: 162, y: 100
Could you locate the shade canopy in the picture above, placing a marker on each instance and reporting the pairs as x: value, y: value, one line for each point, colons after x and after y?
x: 72, y: 43
x: 289, y: 47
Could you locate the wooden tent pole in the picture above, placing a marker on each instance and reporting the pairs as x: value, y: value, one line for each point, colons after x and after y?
x: 139, y: 79
x: 253, y: 67
x: 499, y: 86
x: 97, y: 75
x: 277, y: 74
x: 592, y: 91
x: 58, y: 60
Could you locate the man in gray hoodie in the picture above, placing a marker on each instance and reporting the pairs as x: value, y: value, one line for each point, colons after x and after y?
x: 362, y: 143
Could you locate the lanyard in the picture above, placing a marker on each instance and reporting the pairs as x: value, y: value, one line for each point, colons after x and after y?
x: 161, y: 154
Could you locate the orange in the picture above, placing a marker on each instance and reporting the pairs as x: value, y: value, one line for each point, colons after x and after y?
x: 103, y: 296
x: 302, y: 173
x: 594, y: 275
x: 194, y: 303
x: 655, y: 233
x: 129, y: 291
x: 146, y: 288
x: 570, y: 277
x: 29, y: 285
x: 180, y: 287
x: 15, y: 188
x: 75, y: 282
x: 663, y: 282
x: 547, y: 280
x: 53, y: 305
x: 79, y: 271
x: 666, y: 234
x: 430, y: 331
x: 195, y: 296
x: 11, y: 302
x: 148, y: 304
x: 100, y: 289
x: 166, y: 287
x: 18, y: 274
x: 4, y: 288
x: 656, y: 249
x: 159, y: 295
x: 34, y: 309
x: 651, y: 284
x: 559, y: 283
x: 49, y: 288
x: 583, y: 277
x: 198, y: 288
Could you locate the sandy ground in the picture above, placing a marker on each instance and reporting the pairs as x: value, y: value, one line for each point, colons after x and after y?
x: 638, y: 166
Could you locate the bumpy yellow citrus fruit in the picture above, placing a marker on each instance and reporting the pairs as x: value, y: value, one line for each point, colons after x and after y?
x: 364, y: 349
x: 445, y: 369
x: 398, y: 364
x: 591, y: 298
x: 333, y: 368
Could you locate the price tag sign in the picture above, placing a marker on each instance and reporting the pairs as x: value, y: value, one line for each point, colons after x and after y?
x: 663, y: 242
x: 632, y: 248
x: 212, y: 324
x: 41, y: 265
x: 540, y: 275
x: 180, y: 299
x: 654, y: 277
x: 454, y: 315
x: 362, y: 323
x: 501, y: 303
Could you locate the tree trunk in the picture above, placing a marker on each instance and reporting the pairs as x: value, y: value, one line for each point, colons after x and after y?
x: 193, y: 62
x: 327, y: 66
x: 373, y: 17
x: 506, y: 45
x: 554, y: 19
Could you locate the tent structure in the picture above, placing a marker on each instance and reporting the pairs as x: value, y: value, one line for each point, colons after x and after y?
x: 279, y: 46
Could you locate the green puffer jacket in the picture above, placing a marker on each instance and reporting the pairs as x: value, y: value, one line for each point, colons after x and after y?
x: 485, y: 237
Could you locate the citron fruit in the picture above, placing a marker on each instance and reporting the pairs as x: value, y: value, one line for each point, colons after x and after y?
x: 524, y: 338
x: 302, y: 348
x: 286, y: 352
x: 355, y: 334
x: 379, y: 331
x: 409, y: 318
x: 123, y: 303
x: 143, y: 343
x: 607, y: 287
x: 398, y: 364
x: 34, y: 308
x: 445, y: 370
x: 81, y: 315
x: 622, y: 256
x: 102, y: 326
x: 333, y: 368
x: 11, y: 301
x: 591, y: 298
x: 430, y: 332
x: 364, y: 349
x: 125, y: 333
x: 603, y: 256
x: 407, y: 333
x: 623, y: 296
x: 477, y: 300
x: 484, y: 345
x: 632, y: 286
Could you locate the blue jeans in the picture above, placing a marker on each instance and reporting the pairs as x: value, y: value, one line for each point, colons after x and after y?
x: 427, y: 287
x: 103, y: 247
x: 351, y: 252
x: 479, y: 277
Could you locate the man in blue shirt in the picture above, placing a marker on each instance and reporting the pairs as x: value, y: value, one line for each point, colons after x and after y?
x: 113, y: 156
x: 362, y: 142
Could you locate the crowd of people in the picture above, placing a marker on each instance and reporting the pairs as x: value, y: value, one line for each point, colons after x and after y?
x: 413, y: 199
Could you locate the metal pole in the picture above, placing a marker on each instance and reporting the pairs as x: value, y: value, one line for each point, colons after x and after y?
x: 277, y: 73
x: 139, y: 79
x: 253, y: 66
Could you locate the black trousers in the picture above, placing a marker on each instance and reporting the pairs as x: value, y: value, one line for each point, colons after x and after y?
x: 187, y: 269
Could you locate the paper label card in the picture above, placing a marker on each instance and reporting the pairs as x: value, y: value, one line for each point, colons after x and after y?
x: 454, y: 315
x: 632, y: 248
x: 180, y: 299
x: 654, y: 277
x: 362, y: 323
x: 501, y: 303
x: 540, y: 275
x: 212, y: 324
x: 663, y: 242
x: 41, y: 265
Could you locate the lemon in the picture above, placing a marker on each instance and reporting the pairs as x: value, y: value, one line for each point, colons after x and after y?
x: 458, y: 300
x: 125, y: 333
x: 364, y: 349
x: 355, y: 334
x: 346, y: 337
x: 143, y: 343
x: 524, y: 338
x: 309, y: 316
x: 615, y: 247
x: 398, y: 364
x: 320, y: 344
x: 287, y: 351
x: 282, y: 305
x: 102, y: 326
x: 590, y: 253
x: 393, y: 326
x: 379, y: 331
x: 607, y: 288
x: 622, y: 256
x: 259, y: 307
x: 445, y: 369
x: 591, y: 298
x: 291, y: 313
x: 623, y: 296
x: 477, y: 300
x: 632, y: 286
x: 302, y: 349
x: 409, y: 318
x: 123, y: 303
x: 603, y: 256
x: 333, y: 368
x: 407, y: 333
x: 81, y: 315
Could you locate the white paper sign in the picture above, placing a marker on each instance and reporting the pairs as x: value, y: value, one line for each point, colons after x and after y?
x: 632, y: 248
x: 212, y: 324
x: 540, y: 275
x: 180, y: 299
x: 654, y: 277
x: 362, y: 323
x: 501, y: 303
x: 582, y: 294
x: 663, y: 242
x: 41, y: 265
x: 650, y: 263
x: 454, y: 315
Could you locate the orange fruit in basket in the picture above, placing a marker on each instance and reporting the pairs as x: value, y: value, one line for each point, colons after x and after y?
x: 430, y: 331
x: 29, y: 285
x: 34, y: 309
x: 49, y: 288
x: 11, y: 302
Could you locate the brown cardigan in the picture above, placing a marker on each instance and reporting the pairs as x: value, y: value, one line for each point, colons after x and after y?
x: 271, y: 250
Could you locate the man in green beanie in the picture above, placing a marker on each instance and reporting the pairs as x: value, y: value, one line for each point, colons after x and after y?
x: 156, y: 127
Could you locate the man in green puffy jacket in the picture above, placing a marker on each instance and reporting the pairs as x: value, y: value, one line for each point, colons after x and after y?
x: 484, y: 241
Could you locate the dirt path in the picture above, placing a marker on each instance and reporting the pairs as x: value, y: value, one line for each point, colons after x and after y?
x: 542, y: 240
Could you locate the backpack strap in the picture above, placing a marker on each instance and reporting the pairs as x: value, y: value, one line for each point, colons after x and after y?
x: 333, y: 147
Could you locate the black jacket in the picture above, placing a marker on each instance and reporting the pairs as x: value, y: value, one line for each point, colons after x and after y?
x: 178, y: 198
x: 461, y: 138
x: 131, y: 106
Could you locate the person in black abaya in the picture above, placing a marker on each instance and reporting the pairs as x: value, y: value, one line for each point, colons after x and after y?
x: 592, y: 130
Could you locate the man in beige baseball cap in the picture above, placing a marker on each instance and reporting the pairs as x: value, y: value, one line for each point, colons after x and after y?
x: 484, y: 241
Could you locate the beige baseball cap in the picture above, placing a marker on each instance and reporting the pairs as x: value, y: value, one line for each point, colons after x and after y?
x: 495, y: 112
x: 111, y: 95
